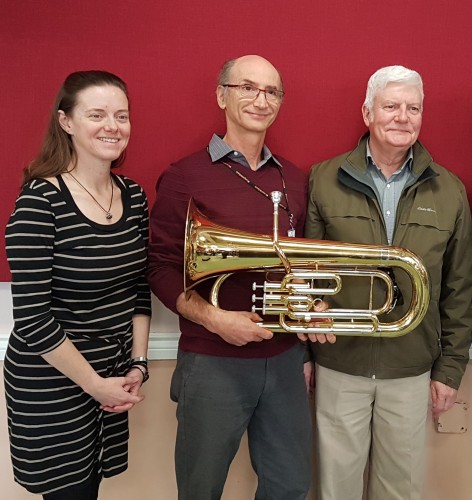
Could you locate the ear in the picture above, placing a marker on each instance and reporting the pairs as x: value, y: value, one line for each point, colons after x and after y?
x: 221, y: 96
x: 366, y: 115
x: 64, y: 122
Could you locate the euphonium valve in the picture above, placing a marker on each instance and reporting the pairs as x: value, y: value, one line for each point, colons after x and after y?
x: 309, y: 269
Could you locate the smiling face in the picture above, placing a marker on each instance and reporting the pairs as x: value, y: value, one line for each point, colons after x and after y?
x: 395, y: 120
x: 99, y: 124
x: 244, y: 114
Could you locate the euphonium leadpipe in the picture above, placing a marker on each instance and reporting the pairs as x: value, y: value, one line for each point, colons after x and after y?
x: 212, y: 251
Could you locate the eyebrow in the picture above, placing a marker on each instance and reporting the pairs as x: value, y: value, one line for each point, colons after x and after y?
x: 392, y: 101
x: 246, y: 80
x: 126, y: 110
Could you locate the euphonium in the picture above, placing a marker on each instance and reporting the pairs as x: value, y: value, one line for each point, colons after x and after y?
x: 213, y: 251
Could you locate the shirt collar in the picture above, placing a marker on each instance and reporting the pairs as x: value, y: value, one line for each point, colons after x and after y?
x: 218, y: 149
x: 406, y: 164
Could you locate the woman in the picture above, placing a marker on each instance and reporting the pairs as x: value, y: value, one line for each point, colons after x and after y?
x: 76, y: 245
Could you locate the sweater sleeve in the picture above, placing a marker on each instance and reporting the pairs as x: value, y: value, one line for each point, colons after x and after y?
x: 30, y: 235
x: 166, y: 250
x: 455, y: 301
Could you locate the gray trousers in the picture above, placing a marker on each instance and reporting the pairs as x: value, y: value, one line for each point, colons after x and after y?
x: 218, y: 400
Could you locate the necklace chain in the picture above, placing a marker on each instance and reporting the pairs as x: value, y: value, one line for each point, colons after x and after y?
x: 108, y: 214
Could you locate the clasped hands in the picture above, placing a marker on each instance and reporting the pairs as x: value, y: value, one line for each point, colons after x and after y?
x: 118, y: 394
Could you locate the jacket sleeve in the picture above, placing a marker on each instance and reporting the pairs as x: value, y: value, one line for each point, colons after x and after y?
x: 455, y: 301
x: 166, y: 249
x: 314, y: 224
x: 30, y: 235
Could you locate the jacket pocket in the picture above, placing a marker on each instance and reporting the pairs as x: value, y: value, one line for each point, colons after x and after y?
x: 351, y: 221
x: 427, y: 235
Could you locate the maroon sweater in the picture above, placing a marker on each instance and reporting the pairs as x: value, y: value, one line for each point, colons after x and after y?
x: 227, y: 200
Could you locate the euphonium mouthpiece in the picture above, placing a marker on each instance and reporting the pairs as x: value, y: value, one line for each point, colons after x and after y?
x: 276, y: 197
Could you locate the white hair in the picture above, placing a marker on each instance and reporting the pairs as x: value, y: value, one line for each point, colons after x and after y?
x: 391, y: 74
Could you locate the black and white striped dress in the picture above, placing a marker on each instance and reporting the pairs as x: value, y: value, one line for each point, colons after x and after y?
x: 74, y: 278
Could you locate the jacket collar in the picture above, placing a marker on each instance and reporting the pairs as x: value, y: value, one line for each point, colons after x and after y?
x: 353, y: 172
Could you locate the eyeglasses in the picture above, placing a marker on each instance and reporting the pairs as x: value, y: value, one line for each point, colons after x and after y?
x: 248, y: 91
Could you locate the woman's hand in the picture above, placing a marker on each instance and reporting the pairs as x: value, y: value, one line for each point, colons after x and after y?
x: 117, y: 394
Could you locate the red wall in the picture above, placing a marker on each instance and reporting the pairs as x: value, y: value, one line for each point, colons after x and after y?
x: 170, y: 51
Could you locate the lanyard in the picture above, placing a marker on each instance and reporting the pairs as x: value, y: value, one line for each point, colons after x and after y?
x: 291, y: 231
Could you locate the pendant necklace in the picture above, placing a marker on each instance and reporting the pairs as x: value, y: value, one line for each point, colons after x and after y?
x: 108, y: 214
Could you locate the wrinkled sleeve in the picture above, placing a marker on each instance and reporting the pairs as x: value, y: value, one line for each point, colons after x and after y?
x: 314, y: 225
x: 30, y: 235
x: 455, y: 301
x: 166, y: 250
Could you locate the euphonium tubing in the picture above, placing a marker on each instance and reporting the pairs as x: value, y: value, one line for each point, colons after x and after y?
x: 213, y: 251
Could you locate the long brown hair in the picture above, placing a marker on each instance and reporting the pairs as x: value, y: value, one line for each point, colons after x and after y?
x: 57, y: 151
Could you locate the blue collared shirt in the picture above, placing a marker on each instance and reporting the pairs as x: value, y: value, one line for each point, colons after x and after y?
x: 389, y: 190
x: 218, y: 150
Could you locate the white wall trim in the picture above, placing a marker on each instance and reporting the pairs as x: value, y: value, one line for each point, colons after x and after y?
x: 3, y: 345
x: 162, y: 341
x: 161, y: 346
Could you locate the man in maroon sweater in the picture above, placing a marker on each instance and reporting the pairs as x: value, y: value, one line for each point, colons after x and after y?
x: 232, y: 375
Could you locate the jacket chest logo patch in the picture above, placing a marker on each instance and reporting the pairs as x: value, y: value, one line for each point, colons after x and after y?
x: 426, y: 209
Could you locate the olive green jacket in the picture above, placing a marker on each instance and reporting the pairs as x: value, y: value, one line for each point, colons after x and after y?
x: 433, y: 220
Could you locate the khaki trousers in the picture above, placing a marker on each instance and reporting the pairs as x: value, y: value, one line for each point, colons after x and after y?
x: 361, y: 420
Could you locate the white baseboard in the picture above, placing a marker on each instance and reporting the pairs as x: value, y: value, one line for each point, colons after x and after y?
x: 164, y: 327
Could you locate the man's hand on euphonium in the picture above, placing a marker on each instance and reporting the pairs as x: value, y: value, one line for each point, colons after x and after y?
x: 238, y: 327
x: 322, y: 338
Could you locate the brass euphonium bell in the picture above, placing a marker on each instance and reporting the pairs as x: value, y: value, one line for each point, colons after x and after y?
x: 213, y: 251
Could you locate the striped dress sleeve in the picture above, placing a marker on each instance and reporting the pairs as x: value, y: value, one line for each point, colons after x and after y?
x: 143, y: 299
x: 30, y: 235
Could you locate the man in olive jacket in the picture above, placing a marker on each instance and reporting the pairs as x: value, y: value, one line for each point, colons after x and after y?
x: 372, y: 393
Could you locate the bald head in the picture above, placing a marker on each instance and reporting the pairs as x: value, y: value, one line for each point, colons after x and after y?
x: 246, y: 65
